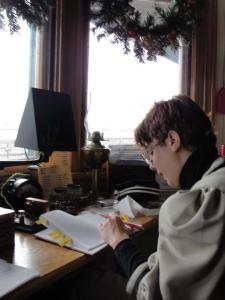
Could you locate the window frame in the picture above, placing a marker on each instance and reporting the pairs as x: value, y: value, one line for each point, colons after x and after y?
x: 42, y: 71
x: 32, y: 71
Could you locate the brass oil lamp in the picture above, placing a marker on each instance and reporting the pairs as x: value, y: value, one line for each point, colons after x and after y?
x: 95, y: 155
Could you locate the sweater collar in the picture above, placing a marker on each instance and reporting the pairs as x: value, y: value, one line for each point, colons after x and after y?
x: 196, y: 165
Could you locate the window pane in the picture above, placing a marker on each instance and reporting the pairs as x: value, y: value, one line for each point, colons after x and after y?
x: 16, y: 60
x: 121, y: 90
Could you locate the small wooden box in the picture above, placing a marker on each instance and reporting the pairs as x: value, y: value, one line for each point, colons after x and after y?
x: 7, y: 228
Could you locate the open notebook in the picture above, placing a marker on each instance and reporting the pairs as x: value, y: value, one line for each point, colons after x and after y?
x: 13, y: 276
x: 76, y: 232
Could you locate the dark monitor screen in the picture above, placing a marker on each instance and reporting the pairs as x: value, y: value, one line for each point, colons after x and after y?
x: 47, y: 123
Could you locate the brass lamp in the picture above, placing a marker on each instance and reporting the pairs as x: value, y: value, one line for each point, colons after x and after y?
x: 95, y: 155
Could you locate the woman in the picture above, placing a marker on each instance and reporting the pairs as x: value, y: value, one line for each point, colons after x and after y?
x: 178, y: 142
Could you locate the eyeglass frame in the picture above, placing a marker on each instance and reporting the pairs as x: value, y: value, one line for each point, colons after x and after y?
x: 147, y: 154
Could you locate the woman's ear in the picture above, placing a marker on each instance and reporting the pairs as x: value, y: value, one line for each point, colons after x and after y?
x: 174, y: 141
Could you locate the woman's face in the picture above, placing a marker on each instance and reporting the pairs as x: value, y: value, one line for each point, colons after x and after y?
x: 168, y: 159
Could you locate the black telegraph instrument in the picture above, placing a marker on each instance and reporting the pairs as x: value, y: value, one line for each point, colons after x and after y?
x: 17, y: 188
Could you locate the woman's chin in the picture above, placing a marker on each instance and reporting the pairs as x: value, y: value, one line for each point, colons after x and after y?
x: 170, y: 183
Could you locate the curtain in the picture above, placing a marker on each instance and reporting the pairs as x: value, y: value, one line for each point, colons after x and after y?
x: 219, y: 117
x: 203, y: 59
x: 69, y: 61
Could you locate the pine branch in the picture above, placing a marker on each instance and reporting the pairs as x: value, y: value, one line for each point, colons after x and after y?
x: 150, y: 37
x: 33, y: 12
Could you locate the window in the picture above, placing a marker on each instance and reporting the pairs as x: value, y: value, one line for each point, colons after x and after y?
x: 17, y: 74
x: 121, y: 90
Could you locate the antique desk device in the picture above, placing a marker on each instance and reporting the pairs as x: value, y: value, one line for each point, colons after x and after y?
x: 45, y: 130
x: 17, y: 193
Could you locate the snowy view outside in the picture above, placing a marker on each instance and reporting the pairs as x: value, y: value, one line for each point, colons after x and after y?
x: 14, y: 79
x: 121, y: 90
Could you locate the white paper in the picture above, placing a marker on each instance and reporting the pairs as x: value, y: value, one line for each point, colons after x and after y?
x: 131, y: 208
x: 45, y: 235
x: 82, y: 229
x: 13, y: 276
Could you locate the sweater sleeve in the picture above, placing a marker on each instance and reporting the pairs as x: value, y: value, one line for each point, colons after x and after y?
x: 191, y: 241
x: 128, y: 256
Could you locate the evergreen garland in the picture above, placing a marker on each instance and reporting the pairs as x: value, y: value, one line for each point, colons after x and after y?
x: 151, y: 37
x: 34, y: 12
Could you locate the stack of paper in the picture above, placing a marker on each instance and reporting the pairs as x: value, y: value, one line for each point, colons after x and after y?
x: 13, y: 276
x: 131, y: 208
x: 77, y: 232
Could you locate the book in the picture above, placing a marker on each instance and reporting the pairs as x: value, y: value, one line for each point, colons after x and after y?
x: 7, y: 230
x: 78, y: 232
x: 13, y: 276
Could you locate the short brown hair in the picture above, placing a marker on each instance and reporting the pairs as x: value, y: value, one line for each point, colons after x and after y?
x: 180, y: 114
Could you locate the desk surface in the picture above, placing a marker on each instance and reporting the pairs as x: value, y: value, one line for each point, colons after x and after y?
x: 52, y: 261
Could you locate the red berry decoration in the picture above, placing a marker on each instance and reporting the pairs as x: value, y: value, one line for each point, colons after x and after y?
x: 192, y: 3
x: 171, y: 36
x: 132, y: 33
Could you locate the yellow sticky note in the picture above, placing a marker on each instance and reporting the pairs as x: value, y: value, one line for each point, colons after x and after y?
x: 124, y: 217
x: 56, y: 234
x: 64, y: 241
x: 42, y: 221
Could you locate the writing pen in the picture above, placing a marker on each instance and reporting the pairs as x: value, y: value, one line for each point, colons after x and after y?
x: 133, y: 226
x: 127, y: 225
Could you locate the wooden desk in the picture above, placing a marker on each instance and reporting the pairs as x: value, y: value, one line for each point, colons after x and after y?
x: 53, y: 262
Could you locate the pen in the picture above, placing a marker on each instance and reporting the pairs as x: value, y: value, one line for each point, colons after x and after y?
x: 126, y: 224
x: 133, y: 226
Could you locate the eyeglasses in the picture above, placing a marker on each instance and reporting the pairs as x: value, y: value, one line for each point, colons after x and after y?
x: 148, y: 153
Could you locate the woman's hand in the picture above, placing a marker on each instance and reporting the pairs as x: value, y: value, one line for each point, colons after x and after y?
x: 112, y: 231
